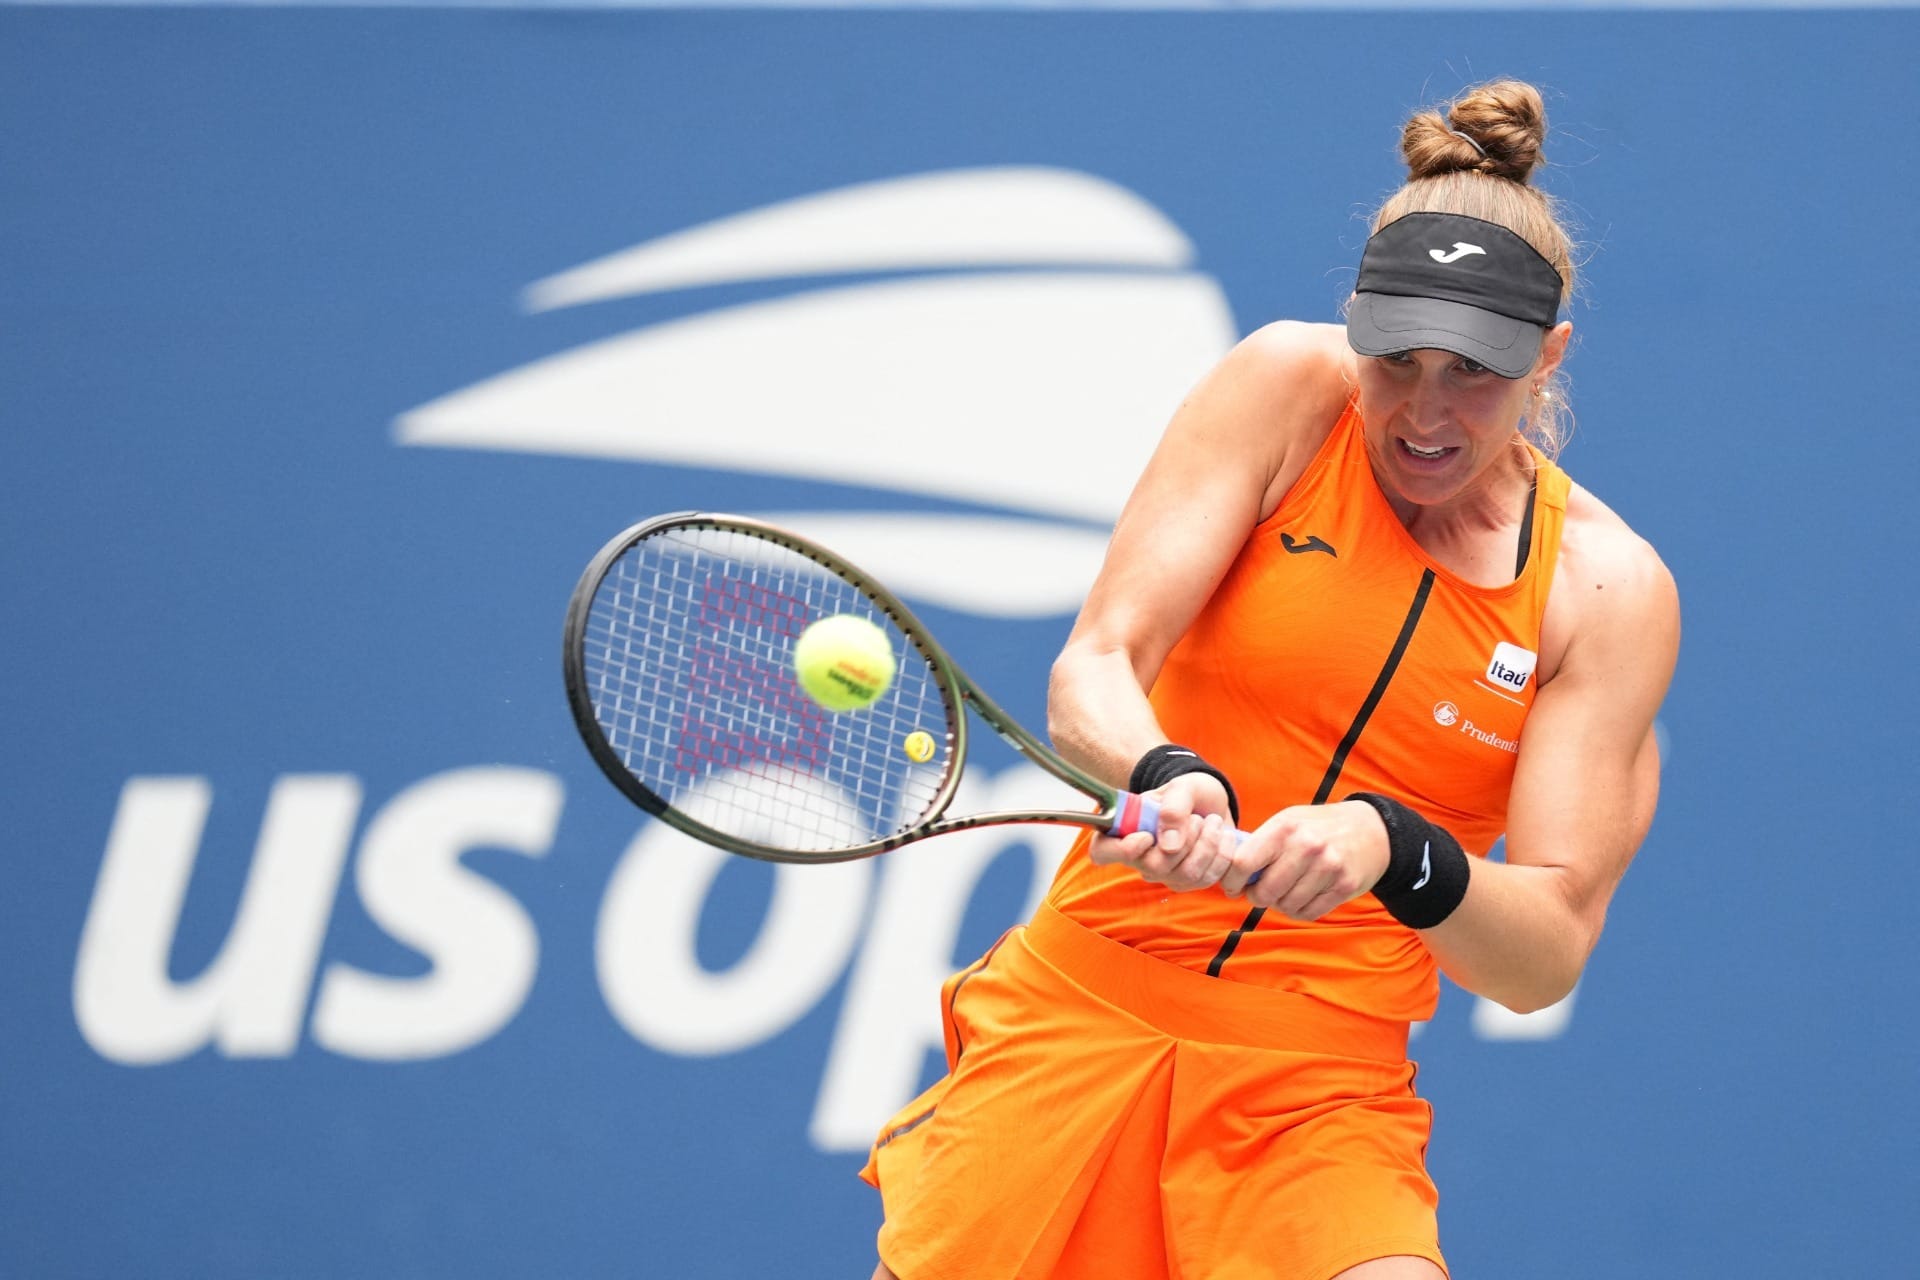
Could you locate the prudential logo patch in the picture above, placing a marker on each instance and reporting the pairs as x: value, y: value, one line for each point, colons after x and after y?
x: 1511, y: 666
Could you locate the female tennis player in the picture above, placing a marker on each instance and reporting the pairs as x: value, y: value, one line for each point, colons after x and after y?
x: 1354, y: 606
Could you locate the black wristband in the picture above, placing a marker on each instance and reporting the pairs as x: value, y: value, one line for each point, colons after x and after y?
x: 1427, y: 871
x: 1166, y: 762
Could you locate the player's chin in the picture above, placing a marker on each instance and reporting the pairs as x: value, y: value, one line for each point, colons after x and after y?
x: 1427, y: 490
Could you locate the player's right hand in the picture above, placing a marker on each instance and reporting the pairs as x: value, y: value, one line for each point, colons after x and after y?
x: 1196, y: 841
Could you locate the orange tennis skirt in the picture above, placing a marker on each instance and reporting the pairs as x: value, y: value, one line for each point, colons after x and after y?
x: 1110, y: 1116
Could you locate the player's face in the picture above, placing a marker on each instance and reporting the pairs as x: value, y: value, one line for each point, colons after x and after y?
x: 1437, y: 421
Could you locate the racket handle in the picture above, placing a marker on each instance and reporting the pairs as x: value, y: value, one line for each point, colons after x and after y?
x: 1138, y: 813
x: 1142, y: 813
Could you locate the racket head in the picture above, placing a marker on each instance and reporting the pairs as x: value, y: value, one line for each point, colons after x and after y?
x: 680, y: 675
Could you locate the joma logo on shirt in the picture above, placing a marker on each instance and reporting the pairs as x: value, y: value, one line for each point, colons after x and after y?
x: 1511, y: 665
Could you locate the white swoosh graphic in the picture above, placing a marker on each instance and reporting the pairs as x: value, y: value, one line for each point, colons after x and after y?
x: 986, y: 565
x: 971, y: 217
x: 1034, y: 392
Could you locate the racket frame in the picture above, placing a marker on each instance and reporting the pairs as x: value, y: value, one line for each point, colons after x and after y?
x: 957, y: 691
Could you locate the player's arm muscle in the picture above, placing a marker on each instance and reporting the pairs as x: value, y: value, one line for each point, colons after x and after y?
x: 1237, y: 440
x: 1583, y: 796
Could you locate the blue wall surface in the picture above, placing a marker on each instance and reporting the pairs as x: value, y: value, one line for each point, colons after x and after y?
x: 336, y: 341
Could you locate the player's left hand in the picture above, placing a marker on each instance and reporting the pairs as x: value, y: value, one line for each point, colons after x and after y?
x: 1194, y: 841
x: 1310, y: 858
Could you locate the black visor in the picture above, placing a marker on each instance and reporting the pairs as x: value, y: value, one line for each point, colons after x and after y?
x: 1455, y: 283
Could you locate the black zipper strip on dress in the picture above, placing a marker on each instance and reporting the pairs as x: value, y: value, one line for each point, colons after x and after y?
x: 1341, y: 752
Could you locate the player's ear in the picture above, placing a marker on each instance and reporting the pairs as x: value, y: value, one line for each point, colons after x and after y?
x: 1553, y: 349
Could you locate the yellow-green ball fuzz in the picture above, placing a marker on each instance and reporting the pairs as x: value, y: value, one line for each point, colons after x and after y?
x: 843, y: 662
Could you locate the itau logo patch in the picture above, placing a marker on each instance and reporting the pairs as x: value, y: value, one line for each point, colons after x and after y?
x: 1511, y: 666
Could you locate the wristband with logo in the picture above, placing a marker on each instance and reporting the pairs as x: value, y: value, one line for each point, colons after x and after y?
x: 1427, y: 870
x: 1168, y: 761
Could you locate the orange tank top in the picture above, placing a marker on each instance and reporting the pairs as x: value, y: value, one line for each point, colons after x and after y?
x: 1336, y: 656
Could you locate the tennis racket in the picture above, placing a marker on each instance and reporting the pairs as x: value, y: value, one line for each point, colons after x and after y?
x: 680, y: 674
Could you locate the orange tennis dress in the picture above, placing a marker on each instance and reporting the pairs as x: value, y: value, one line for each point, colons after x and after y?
x: 1149, y: 1085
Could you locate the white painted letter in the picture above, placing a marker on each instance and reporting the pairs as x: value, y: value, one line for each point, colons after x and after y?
x: 891, y: 1015
x: 652, y: 979
x: 250, y: 1000
x: 483, y: 947
x: 1494, y: 1021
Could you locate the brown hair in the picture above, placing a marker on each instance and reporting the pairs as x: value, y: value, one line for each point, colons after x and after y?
x: 1474, y: 157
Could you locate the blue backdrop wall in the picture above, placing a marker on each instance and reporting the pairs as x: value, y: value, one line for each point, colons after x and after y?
x: 336, y: 341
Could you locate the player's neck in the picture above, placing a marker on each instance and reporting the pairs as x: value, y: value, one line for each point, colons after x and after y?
x: 1472, y: 531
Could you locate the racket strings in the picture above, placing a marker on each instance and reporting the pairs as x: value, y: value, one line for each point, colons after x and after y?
x: 791, y: 730
x: 689, y: 657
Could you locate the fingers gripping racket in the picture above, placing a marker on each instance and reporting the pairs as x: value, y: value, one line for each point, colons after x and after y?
x: 680, y: 672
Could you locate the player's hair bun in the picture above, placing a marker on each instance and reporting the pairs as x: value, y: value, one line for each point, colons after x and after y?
x: 1504, y: 124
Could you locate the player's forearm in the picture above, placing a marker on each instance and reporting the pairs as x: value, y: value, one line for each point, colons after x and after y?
x: 1097, y: 714
x: 1518, y: 937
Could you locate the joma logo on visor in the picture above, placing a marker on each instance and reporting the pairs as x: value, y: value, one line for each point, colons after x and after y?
x: 1460, y: 250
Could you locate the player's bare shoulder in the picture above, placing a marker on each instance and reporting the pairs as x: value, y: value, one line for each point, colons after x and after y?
x: 1611, y: 587
x: 1299, y: 362
x: 1600, y: 550
x: 1299, y: 377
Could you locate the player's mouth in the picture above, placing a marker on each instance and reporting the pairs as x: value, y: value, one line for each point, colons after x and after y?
x: 1427, y: 455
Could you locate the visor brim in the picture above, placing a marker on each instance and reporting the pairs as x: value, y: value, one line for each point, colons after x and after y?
x: 1380, y: 324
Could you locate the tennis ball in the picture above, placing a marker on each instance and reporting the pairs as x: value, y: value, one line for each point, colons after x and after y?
x: 843, y: 662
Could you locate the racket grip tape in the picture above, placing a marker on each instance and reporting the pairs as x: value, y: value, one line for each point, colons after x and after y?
x: 1142, y: 813
x: 1139, y: 813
